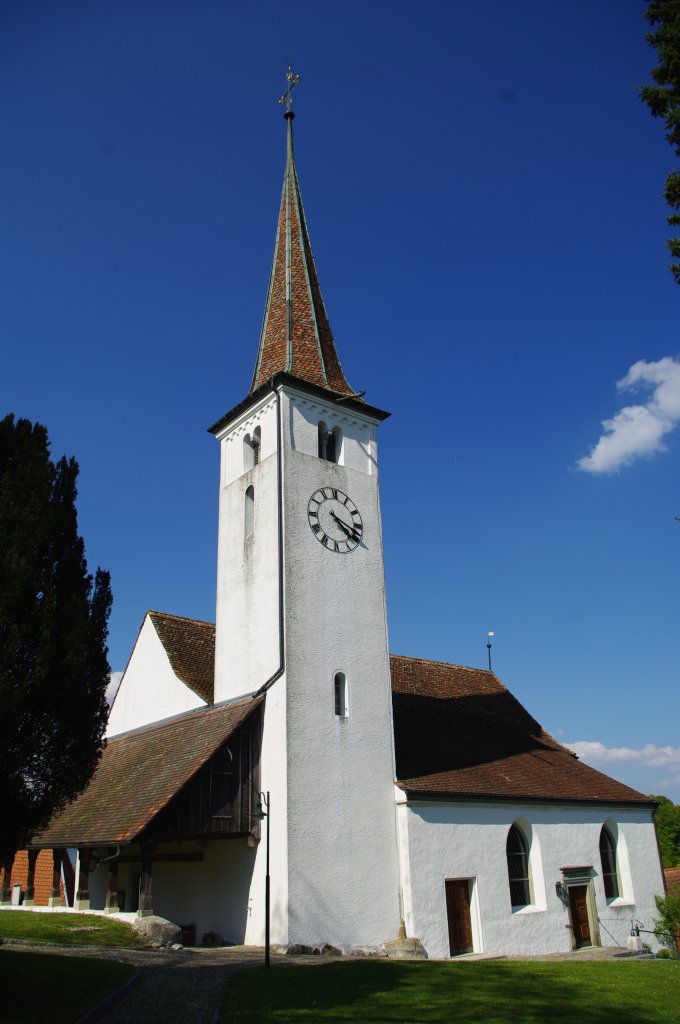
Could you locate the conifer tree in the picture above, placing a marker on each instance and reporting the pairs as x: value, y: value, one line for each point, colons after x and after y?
x: 663, y: 99
x: 53, y: 628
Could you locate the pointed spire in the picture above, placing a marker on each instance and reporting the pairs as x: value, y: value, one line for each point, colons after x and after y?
x: 296, y: 335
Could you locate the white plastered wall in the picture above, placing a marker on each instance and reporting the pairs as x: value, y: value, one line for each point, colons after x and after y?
x: 246, y: 638
x: 149, y: 689
x: 342, y: 846
x: 212, y: 893
x: 274, y: 780
x: 334, y: 870
x: 467, y: 840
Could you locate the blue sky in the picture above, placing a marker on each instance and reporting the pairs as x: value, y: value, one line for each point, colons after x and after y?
x: 484, y: 195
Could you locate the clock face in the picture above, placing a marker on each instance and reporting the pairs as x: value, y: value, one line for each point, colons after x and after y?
x: 334, y: 520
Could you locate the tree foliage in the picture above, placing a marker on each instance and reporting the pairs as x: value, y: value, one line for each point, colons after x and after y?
x: 663, y: 99
x: 53, y: 628
x: 667, y: 924
x: 668, y: 829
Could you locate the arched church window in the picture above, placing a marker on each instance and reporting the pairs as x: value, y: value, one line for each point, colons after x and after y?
x: 249, y: 518
x: 517, y: 852
x: 330, y: 442
x: 610, y: 875
x: 340, y: 695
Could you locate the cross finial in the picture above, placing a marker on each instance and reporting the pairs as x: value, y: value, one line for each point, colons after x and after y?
x: 287, y: 97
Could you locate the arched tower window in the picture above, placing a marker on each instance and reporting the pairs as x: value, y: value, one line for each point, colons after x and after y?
x: 255, y: 444
x: 251, y: 449
x: 340, y: 695
x: 329, y: 443
x: 610, y: 875
x: 517, y: 852
x: 337, y: 443
x: 249, y: 517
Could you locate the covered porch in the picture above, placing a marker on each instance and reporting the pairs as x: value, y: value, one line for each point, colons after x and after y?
x: 165, y: 825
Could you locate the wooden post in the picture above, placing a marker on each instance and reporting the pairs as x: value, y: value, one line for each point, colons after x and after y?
x: 112, y: 889
x: 6, y: 889
x: 145, y: 906
x: 55, y: 899
x: 82, y: 900
x: 29, y: 897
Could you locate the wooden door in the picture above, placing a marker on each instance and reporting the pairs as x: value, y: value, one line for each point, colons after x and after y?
x: 579, y: 915
x: 458, y: 914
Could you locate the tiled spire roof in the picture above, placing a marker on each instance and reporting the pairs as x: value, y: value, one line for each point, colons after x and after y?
x: 296, y: 335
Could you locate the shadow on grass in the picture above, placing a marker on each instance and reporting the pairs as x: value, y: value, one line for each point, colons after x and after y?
x: 449, y: 993
x: 41, y: 989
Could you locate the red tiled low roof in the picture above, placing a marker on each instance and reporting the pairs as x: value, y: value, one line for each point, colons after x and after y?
x: 460, y: 733
x: 190, y: 646
x: 139, y: 773
x: 672, y: 876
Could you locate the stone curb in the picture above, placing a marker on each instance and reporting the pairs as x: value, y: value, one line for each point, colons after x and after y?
x: 108, y: 1002
x: 44, y: 943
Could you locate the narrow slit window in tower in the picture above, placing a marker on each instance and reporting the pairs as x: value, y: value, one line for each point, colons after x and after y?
x: 249, y: 527
x: 340, y: 695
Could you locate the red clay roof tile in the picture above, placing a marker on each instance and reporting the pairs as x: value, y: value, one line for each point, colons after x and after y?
x: 296, y: 336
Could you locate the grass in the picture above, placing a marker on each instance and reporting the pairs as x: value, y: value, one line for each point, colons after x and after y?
x: 484, y: 992
x: 41, y: 989
x: 69, y: 929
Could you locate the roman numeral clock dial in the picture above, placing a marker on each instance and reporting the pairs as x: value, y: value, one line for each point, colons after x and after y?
x: 334, y: 520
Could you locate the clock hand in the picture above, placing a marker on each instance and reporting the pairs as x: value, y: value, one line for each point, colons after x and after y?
x: 351, y: 531
x: 341, y: 523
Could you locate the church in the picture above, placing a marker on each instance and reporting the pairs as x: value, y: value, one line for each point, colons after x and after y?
x: 283, y: 756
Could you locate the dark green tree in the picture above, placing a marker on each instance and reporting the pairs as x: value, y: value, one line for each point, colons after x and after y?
x: 663, y: 99
x: 668, y: 829
x: 53, y: 628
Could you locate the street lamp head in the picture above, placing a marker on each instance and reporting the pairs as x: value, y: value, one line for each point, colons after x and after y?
x: 259, y: 814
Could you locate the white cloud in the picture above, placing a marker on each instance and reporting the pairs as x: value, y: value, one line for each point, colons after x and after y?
x: 649, y: 756
x: 112, y: 688
x: 638, y: 430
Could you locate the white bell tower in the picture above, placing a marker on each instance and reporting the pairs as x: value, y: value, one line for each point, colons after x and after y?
x: 301, y: 615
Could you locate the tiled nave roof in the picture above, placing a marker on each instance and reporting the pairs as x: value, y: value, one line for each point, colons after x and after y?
x: 460, y: 733
x: 190, y: 647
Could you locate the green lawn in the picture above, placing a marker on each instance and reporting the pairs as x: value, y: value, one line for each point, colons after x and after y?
x: 41, y: 989
x: 70, y: 929
x: 482, y: 992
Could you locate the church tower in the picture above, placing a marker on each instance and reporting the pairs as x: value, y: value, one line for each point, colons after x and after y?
x: 301, y: 614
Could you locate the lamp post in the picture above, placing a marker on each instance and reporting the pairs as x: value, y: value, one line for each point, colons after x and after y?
x: 262, y: 811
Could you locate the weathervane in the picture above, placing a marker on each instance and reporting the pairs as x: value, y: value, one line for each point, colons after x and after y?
x: 488, y: 645
x: 287, y: 97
